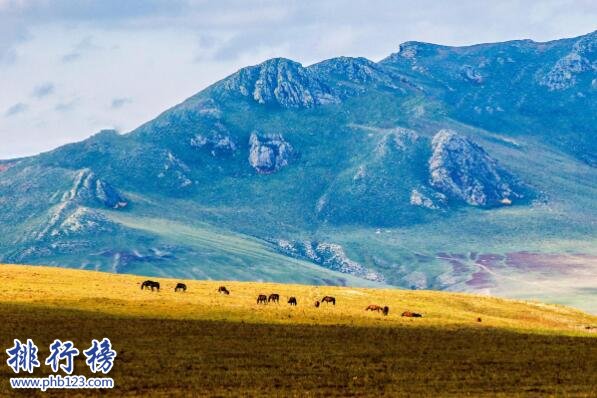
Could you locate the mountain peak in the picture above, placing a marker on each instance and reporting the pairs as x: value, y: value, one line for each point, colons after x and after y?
x: 282, y: 82
x: 411, y: 50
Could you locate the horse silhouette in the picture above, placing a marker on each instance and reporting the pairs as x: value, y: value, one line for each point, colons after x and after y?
x: 275, y: 297
x: 180, y: 286
x: 223, y: 290
x: 292, y: 301
x: 150, y: 284
x: 329, y: 299
x: 262, y: 299
x: 410, y: 314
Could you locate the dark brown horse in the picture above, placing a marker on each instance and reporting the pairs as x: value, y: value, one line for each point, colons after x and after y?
x: 317, y: 304
x: 150, y: 284
x: 410, y: 314
x: 329, y: 299
x: 223, y: 290
x: 181, y: 287
x: 386, y: 310
x: 275, y: 297
x: 262, y: 299
x: 292, y: 301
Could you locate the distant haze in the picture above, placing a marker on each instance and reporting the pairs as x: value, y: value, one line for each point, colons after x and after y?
x: 69, y: 69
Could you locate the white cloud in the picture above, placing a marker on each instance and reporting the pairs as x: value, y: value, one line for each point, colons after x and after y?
x: 43, y: 90
x: 15, y: 109
x: 118, y: 103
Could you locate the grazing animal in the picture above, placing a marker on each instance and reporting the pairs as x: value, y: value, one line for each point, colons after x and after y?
x: 479, y: 319
x: 373, y: 307
x: 180, y: 286
x: 329, y: 299
x: 262, y: 299
x: 150, y: 284
x: 223, y: 290
x: 409, y: 314
x: 292, y: 301
x: 317, y: 304
x: 275, y: 297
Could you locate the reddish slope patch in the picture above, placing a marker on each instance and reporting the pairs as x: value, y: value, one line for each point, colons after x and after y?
x: 548, y: 263
x: 481, y: 280
x: 457, y: 261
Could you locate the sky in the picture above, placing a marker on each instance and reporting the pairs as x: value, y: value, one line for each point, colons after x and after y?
x: 71, y: 68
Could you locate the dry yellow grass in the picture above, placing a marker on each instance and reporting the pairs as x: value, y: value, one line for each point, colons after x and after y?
x: 116, y: 294
x: 201, y: 343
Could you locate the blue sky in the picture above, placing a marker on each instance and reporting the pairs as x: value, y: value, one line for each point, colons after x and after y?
x: 71, y: 68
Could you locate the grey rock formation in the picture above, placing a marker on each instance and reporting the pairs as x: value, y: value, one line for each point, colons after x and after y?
x: 582, y: 58
x: 329, y: 255
x: 282, y: 82
x: 355, y: 70
x: 217, y: 141
x: 471, y: 74
x: 269, y: 153
x: 89, y: 190
x: 425, y: 197
x: 461, y: 169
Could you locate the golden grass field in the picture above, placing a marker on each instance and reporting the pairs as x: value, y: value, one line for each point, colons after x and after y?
x: 201, y: 343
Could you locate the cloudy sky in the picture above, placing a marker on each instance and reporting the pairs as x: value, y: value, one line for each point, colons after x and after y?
x: 71, y: 68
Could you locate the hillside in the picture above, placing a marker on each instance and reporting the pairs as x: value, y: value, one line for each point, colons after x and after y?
x: 446, y: 168
x: 201, y: 342
x: 121, y: 295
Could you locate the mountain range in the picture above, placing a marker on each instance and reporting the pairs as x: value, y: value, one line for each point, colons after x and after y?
x: 450, y: 168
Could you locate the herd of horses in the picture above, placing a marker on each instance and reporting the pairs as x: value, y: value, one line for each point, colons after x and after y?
x: 275, y: 298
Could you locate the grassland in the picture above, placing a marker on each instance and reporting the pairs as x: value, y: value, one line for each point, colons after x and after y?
x: 200, y: 343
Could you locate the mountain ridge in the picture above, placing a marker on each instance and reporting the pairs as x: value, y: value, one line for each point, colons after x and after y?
x: 348, y: 154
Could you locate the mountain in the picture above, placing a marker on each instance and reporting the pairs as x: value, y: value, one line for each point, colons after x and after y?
x: 452, y: 168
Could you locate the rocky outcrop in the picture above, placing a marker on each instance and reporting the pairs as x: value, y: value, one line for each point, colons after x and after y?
x: 269, y: 153
x: 90, y: 190
x: 75, y: 215
x: 69, y: 219
x: 174, y: 172
x: 410, y: 53
x: 471, y: 74
x: 82, y: 220
x: 281, y: 82
x: 582, y: 58
x: 217, y: 141
x: 424, y: 197
x: 355, y: 70
x: 462, y: 170
x: 328, y: 255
